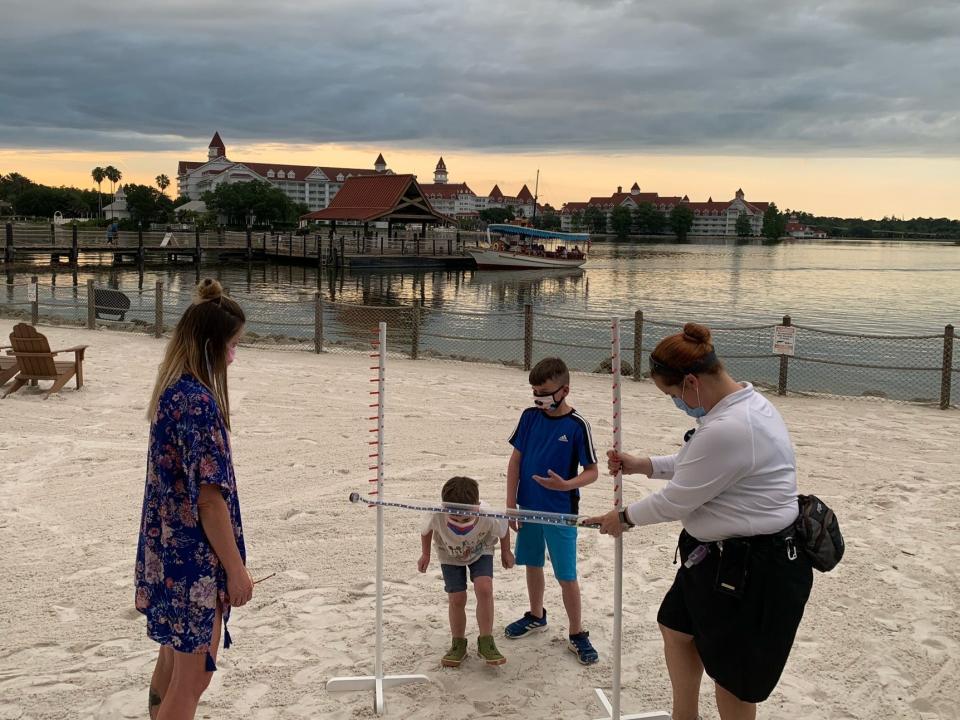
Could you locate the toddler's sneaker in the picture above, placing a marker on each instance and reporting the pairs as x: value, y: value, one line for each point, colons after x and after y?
x: 488, y: 650
x: 456, y: 653
x: 529, y: 623
x: 581, y: 647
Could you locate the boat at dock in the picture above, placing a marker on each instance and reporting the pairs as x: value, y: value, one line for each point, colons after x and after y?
x: 514, y: 247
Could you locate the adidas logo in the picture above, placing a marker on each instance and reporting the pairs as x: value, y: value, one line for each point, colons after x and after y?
x: 562, y: 438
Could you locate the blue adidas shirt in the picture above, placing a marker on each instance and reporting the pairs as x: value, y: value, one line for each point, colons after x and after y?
x: 561, y: 444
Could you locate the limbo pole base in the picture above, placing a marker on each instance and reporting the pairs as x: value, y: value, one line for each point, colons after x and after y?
x: 654, y: 715
x: 371, y: 682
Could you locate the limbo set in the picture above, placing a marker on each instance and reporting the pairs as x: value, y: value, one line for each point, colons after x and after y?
x: 379, y: 682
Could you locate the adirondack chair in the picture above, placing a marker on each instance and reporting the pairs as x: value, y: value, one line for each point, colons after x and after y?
x: 36, y: 361
x: 8, y: 365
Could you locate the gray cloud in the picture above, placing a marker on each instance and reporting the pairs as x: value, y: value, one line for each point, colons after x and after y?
x: 861, y: 77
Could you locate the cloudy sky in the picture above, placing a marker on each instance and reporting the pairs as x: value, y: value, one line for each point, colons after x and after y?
x: 845, y: 106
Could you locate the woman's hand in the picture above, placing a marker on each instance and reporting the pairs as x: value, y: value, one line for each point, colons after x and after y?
x: 239, y: 587
x: 609, y: 524
x: 621, y: 462
x: 423, y: 563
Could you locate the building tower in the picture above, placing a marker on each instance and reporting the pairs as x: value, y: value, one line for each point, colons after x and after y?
x: 440, y: 173
x: 380, y: 165
x: 217, y: 149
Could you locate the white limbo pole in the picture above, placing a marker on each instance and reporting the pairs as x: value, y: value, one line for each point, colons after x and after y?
x: 378, y: 682
x: 612, y: 705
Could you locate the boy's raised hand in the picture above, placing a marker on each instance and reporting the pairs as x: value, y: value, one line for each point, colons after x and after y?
x: 552, y: 482
x: 423, y: 563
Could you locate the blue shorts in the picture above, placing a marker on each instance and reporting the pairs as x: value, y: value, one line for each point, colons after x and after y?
x: 559, y: 540
x: 455, y: 576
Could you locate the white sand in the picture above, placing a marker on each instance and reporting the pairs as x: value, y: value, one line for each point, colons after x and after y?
x: 880, y: 638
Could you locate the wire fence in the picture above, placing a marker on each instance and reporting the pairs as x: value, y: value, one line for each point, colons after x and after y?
x: 910, y: 368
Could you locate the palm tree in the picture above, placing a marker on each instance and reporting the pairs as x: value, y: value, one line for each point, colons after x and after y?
x: 99, y: 175
x: 113, y: 175
x: 163, y: 182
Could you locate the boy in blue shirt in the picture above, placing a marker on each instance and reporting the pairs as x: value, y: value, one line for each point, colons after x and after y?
x: 550, y: 444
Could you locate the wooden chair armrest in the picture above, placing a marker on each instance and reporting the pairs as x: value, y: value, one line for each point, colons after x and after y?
x: 76, y: 348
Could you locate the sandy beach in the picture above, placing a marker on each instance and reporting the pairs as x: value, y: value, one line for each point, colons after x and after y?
x: 880, y: 638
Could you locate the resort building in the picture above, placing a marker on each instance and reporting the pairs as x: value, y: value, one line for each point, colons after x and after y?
x: 797, y: 229
x: 709, y: 218
x: 455, y: 200
x: 117, y: 210
x: 314, y: 186
x: 522, y: 203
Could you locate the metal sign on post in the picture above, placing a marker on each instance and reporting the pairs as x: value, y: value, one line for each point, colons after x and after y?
x: 32, y: 295
x: 784, y: 339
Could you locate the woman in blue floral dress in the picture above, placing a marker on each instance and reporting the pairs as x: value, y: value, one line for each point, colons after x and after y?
x: 191, y: 559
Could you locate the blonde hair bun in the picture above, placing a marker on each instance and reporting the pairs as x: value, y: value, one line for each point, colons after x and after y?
x: 694, y: 332
x: 209, y: 289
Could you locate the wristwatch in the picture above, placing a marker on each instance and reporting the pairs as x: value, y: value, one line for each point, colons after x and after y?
x: 624, y: 520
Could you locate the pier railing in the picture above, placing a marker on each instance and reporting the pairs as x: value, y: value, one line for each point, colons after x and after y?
x: 921, y: 367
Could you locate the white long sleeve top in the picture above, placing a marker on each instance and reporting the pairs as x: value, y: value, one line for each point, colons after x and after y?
x: 735, y: 477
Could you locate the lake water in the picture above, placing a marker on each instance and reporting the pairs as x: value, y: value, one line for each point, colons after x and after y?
x: 868, y: 288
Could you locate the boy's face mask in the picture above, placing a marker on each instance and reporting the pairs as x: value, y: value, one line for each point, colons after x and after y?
x: 548, y: 401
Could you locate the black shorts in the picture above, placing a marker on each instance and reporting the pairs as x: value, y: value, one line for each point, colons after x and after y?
x: 743, y: 641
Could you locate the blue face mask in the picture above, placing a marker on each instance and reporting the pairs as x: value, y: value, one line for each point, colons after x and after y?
x: 694, y: 412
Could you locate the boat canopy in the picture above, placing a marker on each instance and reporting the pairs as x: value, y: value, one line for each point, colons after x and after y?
x: 504, y: 229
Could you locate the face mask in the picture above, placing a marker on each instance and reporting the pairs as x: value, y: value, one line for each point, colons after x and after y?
x: 231, y: 353
x: 547, y: 401
x: 694, y: 412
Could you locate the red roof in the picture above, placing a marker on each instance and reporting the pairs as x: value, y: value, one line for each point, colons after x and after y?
x: 704, y: 208
x: 217, y: 142
x: 635, y: 187
x: 524, y: 194
x: 380, y: 160
x: 572, y: 207
x: 440, y: 164
x: 183, y: 166
x: 445, y: 190
x: 495, y: 193
x: 369, y: 197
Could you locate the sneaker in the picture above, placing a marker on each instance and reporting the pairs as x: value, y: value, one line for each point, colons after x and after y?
x: 456, y: 653
x: 527, y: 624
x: 487, y: 649
x: 580, y: 645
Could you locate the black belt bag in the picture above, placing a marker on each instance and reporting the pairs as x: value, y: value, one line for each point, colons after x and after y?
x: 819, y: 533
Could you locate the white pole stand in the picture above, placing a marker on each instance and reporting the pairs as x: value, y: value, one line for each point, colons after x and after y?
x: 612, y: 705
x: 378, y: 682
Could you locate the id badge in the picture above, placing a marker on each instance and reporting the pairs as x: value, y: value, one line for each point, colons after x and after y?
x: 732, y: 567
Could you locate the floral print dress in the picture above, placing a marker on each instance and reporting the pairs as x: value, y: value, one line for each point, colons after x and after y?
x: 179, y: 578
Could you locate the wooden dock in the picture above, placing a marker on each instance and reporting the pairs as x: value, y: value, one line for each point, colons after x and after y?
x: 68, y: 242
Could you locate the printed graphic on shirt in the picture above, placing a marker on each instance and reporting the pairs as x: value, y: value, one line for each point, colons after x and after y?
x: 463, y: 543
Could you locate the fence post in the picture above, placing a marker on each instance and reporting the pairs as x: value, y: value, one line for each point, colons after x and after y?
x: 158, y: 311
x: 196, y: 232
x: 415, y: 331
x: 434, y: 244
x: 8, y: 250
x: 140, y: 252
x: 637, y: 345
x: 74, y: 246
x: 947, y: 373
x: 403, y: 244
x: 35, y: 303
x: 317, y: 323
x: 53, y: 235
x: 249, y: 242
x: 91, y: 307
x: 459, y: 247
x: 784, y: 360
x: 527, y: 336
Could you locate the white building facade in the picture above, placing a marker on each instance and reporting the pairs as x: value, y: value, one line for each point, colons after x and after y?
x: 314, y: 186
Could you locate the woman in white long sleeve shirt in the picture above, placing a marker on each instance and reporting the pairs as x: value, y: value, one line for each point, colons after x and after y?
x: 739, y: 595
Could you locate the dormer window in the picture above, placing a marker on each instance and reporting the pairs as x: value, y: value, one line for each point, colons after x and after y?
x: 340, y: 177
x: 281, y: 175
x: 271, y: 173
